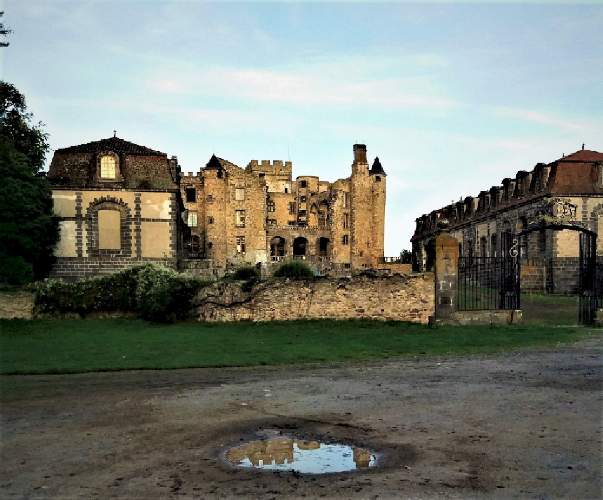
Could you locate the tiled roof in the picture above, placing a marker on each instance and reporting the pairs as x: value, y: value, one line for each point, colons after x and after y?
x: 584, y: 155
x: 114, y: 144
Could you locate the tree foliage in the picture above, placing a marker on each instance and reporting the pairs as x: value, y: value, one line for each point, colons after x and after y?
x: 4, y: 31
x: 28, y: 230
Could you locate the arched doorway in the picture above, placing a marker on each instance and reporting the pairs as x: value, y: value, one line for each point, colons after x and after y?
x: 322, y: 245
x: 300, y: 245
x: 277, y: 248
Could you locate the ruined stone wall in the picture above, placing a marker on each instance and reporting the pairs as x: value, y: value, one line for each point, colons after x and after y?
x: 16, y: 305
x: 400, y: 298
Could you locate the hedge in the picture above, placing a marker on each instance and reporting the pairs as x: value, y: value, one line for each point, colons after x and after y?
x: 153, y: 292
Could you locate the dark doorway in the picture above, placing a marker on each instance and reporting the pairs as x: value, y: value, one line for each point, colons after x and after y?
x: 277, y: 247
x: 323, y: 247
x: 299, y: 246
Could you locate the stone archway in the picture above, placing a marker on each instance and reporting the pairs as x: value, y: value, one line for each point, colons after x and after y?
x: 300, y: 246
x: 277, y: 247
x: 323, y: 247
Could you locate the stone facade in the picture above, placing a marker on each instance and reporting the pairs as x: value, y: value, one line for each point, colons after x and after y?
x: 568, y: 190
x: 118, y: 204
x: 399, y: 298
x: 260, y: 215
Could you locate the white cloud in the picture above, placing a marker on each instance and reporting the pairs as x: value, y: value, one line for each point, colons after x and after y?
x: 311, y: 85
x: 547, y: 119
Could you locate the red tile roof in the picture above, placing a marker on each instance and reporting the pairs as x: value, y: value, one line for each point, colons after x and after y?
x: 583, y: 155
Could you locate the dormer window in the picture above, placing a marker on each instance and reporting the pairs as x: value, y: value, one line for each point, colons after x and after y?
x: 108, y: 167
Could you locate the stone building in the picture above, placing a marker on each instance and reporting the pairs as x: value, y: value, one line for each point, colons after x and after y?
x: 259, y: 214
x: 567, y: 191
x: 120, y: 204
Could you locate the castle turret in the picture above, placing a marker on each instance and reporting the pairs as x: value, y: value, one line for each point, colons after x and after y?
x: 367, y: 189
x: 377, y: 247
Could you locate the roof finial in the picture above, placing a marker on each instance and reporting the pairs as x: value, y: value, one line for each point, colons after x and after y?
x: 114, y: 133
x: 582, y: 146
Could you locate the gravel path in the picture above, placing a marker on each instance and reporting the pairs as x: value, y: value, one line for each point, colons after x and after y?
x: 515, y: 425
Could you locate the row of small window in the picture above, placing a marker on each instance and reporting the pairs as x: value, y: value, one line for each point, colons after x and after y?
x: 191, y: 195
x: 239, y: 219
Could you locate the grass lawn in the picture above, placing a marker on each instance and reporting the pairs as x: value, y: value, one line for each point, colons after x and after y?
x: 71, y: 346
x: 549, y: 309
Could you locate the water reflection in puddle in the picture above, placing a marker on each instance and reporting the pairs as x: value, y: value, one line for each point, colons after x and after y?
x: 305, y: 457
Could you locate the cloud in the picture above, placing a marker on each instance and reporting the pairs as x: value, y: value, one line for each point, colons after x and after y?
x: 547, y: 119
x: 311, y: 85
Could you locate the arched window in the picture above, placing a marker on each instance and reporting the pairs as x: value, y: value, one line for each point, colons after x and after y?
x: 108, y: 167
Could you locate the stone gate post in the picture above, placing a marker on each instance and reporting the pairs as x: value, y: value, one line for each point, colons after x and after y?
x: 446, y: 275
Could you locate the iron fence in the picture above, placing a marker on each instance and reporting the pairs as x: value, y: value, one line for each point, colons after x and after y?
x: 488, y: 283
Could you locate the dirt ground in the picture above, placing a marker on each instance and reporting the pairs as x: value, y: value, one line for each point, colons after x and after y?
x: 524, y: 424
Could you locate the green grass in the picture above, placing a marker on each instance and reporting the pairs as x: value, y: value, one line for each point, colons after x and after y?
x: 549, y: 309
x: 71, y: 346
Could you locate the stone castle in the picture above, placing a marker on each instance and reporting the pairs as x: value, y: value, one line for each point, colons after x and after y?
x: 120, y: 204
x: 568, y: 191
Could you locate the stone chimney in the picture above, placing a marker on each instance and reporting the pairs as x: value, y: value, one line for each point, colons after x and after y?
x: 360, y: 154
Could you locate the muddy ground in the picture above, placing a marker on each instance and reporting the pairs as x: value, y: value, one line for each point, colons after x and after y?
x: 523, y: 425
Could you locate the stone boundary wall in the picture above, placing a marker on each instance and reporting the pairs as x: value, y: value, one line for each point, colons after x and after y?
x: 400, y: 298
x: 16, y: 305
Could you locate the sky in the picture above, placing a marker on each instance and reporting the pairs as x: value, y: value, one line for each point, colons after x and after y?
x: 451, y: 97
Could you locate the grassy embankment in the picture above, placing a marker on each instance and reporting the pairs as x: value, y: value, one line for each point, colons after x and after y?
x: 71, y: 346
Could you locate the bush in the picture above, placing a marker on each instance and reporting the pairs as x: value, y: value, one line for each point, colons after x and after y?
x: 153, y: 292
x: 295, y: 269
x: 245, y: 273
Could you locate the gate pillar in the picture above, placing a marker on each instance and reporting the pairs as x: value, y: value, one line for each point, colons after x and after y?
x: 446, y: 276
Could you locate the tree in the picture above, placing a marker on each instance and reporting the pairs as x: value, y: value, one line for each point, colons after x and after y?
x: 28, y: 229
x: 406, y: 257
x: 4, y: 31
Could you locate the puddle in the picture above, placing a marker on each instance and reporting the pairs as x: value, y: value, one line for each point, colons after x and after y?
x: 305, y: 457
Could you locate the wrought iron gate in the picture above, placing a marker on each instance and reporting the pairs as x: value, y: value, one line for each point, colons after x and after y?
x: 590, y: 288
x: 490, y: 282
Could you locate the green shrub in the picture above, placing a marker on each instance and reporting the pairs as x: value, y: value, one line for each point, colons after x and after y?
x: 295, y: 269
x: 153, y: 292
x: 245, y: 273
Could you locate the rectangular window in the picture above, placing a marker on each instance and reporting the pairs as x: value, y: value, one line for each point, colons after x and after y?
x: 108, y: 167
x: 302, y: 199
x: 240, y: 244
x: 109, y: 230
x: 239, y: 194
x: 240, y: 218
x: 271, y: 222
x: 210, y: 220
x: 192, y: 219
x: 345, y: 240
x: 303, y: 184
x: 191, y: 195
x: 346, y: 221
x: 346, y: 200
x: 291, y: 208
x: 270, y: 206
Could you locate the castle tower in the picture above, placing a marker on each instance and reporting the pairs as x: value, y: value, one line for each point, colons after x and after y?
x: 378, y: 186
x: 360, y: 210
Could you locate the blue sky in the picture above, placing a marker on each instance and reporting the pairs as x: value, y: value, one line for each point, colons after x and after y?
x: 451, y: 97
